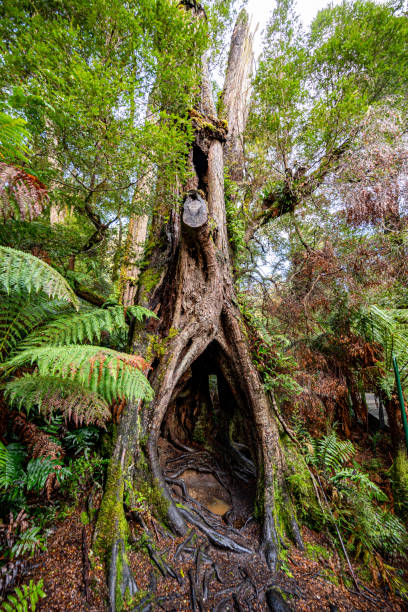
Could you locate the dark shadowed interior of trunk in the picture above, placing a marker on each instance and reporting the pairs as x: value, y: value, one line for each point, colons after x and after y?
x: 206, y: 443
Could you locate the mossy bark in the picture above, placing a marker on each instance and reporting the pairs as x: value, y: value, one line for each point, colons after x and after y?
x: 111, y: 531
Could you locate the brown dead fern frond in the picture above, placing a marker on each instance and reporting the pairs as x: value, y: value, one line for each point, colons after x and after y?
x: 21, y: 194
x: 39, y: 444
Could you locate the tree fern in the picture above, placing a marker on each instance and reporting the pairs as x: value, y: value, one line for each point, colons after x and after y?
x: 49, y: 394
x: 22, y: 195
x: 77, y: 328
x: 22, y: 272
x: 386, y: 326
x: 18, y: 317
x: 11, y: 460
x: 104, y: 371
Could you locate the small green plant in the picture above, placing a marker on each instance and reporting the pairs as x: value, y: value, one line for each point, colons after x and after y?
x: 24, y: 599
x: 28, y: 542
x: 82, y: 440
x: 16, y: 482
x: 84, y: 470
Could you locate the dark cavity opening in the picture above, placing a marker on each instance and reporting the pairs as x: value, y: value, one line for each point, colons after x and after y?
x: 201, y: 167
x: 206, y: 446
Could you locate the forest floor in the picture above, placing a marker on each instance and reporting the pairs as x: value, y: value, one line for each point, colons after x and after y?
x: 316, y: 579
x: 311, y: 581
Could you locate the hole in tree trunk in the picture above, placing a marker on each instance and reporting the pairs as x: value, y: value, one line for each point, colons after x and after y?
x: 201, y: 167
x: 205, y: 444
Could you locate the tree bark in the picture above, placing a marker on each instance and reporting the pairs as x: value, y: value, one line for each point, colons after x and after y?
x: 235, y: 97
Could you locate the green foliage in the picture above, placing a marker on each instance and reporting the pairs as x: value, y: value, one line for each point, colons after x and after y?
x: 22, y: 272
x: 38, y: 470
x: 13, y: 138
x: 11, y: 460
x: 24, y: 599
x: 272, y: 360
x: 28, y: 542
x: 16, y: 481
x: 48, y: 394
x: 355, y: 503
x: 79, y: 381
x: 330, y: 453
x: 78, y: 328
x: 399, y: 474
x: 388, y: 327
x: 81, y: 441
x: 19, y: 316
x: 76, y: 78
x: 361, y: 480
x: 106, y: 372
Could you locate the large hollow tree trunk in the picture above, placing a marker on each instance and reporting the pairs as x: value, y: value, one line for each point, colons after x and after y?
x: 200, y: 322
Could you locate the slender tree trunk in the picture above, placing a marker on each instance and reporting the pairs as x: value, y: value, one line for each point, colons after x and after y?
x: 200, y: 322
x: 137, y: 233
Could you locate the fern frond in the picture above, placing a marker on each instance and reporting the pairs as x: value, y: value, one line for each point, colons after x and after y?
x: 11, y: 459
x: 140, y: 312
x: 20, y: 272
x: 25, y: 598
x: 382, y: 530
x: 331, y: 453
x: 366, y: 485
x: 50, y: 394
x: 386, y: 326
x: 19, y: 317
x: 13, y: 137
x: 38, y: 472
x: 22, y: 195
x: 104, y: 371
x: 77, y: 328
x: 28, y: 542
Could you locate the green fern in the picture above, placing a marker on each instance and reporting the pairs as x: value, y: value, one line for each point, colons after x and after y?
x: 28, y: 542
x: 362, y: 480
x: 22, y: 272
x: 38, y: 471
x: 140, y: 312
x: 11, y: 460
x: 19, y: 317
x: 82, y: 440
x: 77, y: 328
x: 108, y: 373
x: 49, y: 394
x: 24, y: 599
x: 13, y: 138
x: 377, y: 529
x: 332, y: 453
